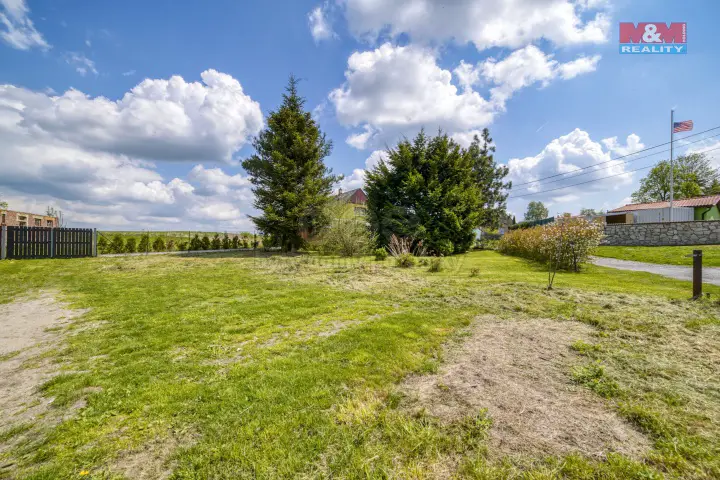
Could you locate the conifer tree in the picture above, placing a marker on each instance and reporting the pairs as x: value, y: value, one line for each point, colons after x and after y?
x: 291, y: 182
x: 426, y: 190
x: 490, y: 178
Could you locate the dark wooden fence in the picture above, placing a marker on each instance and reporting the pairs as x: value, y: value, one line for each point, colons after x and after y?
x: 40, y: 242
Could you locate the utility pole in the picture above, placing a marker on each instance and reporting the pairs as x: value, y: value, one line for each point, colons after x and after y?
x: 672, y: 144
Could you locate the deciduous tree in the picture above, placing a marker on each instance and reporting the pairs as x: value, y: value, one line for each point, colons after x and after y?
x: 535, y: 211
x: 693, y: 176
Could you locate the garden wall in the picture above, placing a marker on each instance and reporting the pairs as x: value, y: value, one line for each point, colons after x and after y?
x: 662, y: 234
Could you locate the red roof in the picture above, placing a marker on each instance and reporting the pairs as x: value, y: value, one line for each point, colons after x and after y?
x: 708, y: 201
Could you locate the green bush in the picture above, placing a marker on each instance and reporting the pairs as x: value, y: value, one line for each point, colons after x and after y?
x: 435, y: 264
x: 235, y: 242
x: 565, y: 244
x: 405, y: 260
x: 170, y: 245
x: 144, y: 245
x: 117, y: 244
x: 216, y: 242
x: 205, y: 243
x: 475, y: 272
x: 158, y: 245
x: 380, y: 254
x: 102, y: 245
x: 226, y: 243
x: 195, y: 243
x: 182, y: 246
x: 131, y: 245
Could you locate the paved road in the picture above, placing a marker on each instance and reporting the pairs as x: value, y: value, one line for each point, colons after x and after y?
x: 710, y: 274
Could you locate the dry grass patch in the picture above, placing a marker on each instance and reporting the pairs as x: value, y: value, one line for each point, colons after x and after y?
x: 520, y: 372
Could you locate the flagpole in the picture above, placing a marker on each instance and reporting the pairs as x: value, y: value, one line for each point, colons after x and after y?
x: 672, y: 144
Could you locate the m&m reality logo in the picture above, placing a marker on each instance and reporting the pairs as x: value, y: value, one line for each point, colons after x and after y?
x: 653, y: 38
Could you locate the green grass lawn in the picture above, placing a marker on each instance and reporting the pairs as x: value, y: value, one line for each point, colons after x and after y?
x: 666, y: 255
x: 280, y: 367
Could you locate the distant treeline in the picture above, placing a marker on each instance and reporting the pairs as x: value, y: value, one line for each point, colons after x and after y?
x: 138, y: 242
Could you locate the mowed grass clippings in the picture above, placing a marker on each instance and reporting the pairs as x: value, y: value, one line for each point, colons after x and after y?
x: 289, y: 367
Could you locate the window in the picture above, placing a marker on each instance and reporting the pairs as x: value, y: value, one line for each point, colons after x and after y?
x: 38, y: 222
x: 2, y: 219
x: 22, y: 224
x: 49, y: 223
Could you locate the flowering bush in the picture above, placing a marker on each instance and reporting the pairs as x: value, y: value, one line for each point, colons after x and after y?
x: 566, y: 243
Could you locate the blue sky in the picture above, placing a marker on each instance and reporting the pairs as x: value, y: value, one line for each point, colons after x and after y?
x: 105, y: 111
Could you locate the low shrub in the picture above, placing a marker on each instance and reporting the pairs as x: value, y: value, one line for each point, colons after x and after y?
x: 436, y: 265
x: 170, y: 245
x: 102, y: 245
x: 565, y: 244
x: 474, y: 272
x: 131, y: 245
x: 405, y: 260
x: 216, y: 243
x: 158, y: 245
x: 380, y: 254
x: 117, y: 244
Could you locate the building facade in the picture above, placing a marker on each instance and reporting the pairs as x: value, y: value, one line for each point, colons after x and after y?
x: 12, y: 218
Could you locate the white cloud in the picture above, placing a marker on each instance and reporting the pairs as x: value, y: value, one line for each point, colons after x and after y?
x: 320, y: 27
x: 110, y: 183
x: 82, y: 64
x: 567, y: 154
x: 633, y: 144
x: 527, y: 66
x: 484, y: 23
x: 158, y: 119
x: 213, y: 181
x: 395, y: 90
x: 19, y: 31
x: 128, y: 73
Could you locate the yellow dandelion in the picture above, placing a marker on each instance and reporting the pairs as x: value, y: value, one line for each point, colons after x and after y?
x: 85, y: 472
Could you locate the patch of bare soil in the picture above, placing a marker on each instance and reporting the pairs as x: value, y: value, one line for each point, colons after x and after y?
x: 28, y: 328
x: 152, y: 460
x: 520, y: 371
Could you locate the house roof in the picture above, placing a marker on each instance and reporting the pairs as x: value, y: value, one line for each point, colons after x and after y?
x: 708, y: 201
x: 346, y: 196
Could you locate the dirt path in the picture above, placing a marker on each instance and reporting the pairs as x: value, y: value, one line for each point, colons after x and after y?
x: 28, y: 327
x: 711, y: 275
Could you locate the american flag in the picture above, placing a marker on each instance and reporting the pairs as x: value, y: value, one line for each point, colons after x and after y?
x: 684, y: 126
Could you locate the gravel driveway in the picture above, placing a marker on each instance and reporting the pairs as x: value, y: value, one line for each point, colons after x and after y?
x: 710, y: 274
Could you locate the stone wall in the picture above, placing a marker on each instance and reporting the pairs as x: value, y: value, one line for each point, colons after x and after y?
x: 663, y: 234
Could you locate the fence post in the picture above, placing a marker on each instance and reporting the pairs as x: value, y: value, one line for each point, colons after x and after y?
x: 94, y: 243
x: 697, y: 273
x: 3, y: 243
x: 52, y: 243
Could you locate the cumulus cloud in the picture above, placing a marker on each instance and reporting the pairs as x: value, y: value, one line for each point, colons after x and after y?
x: 158, y: 119
x: 115, y: 182
x: 528, y: 66
x: 395, y: 90
x: 320, y: 27
x: 566, y: 155
x: 17, y: 30
x: 632, y: 145
x: 484, y: 23
x: 357, y: 178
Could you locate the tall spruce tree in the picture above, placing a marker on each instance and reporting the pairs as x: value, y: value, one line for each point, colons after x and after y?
x: 490, y: 178
x: 427, y: 190
x: 291, y: 182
